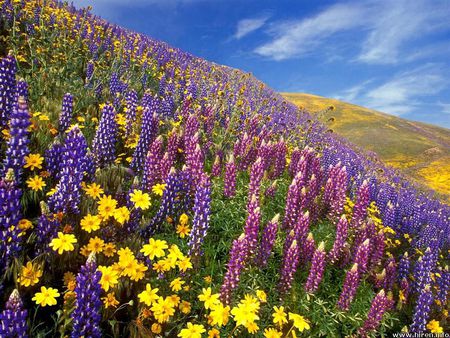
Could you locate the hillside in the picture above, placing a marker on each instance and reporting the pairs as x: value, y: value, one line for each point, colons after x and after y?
x: 420, y: 150
x: 146, y: 192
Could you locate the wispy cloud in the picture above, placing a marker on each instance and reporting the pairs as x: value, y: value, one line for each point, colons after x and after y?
x: 381, y: 31
x: 247, y: 26
x: 398, y: 23
x: 295, y: 38
x: 401, y: 94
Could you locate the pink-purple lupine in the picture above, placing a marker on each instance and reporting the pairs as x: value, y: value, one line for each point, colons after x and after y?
x: 194, y: 163
x: 341, y: 237
x: 349, y: 288
x: 165, y: 165
x: 152, y: 171
x: 317, y: 268
x: 335, y: 191
x: 362, y: 256
x: 230, y: 178
x: 380, y: 304
x: 377, y: 248
x: 360, y: 208
x: 300, y: 230
x: 217, y: 167
x: 271, y: 190
x: 280, y: 159
x: 236, y: 263
x: 289, y: 267
x: 267, y: 241
x: 307, y: 249
x: 291, y: 210
x: 256, y: 176
x: 252, y: 223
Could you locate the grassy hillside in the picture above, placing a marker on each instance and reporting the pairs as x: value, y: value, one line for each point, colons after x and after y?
x: 420, y: 150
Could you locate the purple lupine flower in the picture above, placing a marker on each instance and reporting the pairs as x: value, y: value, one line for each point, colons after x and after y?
x: 443, y: 283
x: 236, y: 263
x: 291, y: 211
x: 404, y: 292
x: 65, y: 117
x: 73, y: 162
x: 17, y: 146
x: 403, y: 267
x: 174, y: 200
x: 391, y: 274
x: 339, y: 242
x: 423, y: 269
x: 86, y: 315
x: 8, y: 70
x: 217, y: 167
x: 149, y: 130
x: 280, y: 159
x: 152, y: 172
x: 334, y: 195
x: 307, y: 249
x: 380, y: 304
x: 89, y: 72
x: 267, y: 241
x: 271, y: 190
x: 53, y: 158
x: 295, y: 157
x: 104, y: 143
x: 131, y: 99
x: 252, y: 224
x: 10, y: 215
x: 362, y: 256
x: 256, y: 176
x: 360, y: 207
x: 422, y: 310
x: 230, y: 178
x: 202, y: 212
x: 377, y: 249
x: 165, y: 165
x: 300, y: 230
x: 288, y: 267
x: 46, y: 229
x: 349, y: 288
x: 194, y: 163
x: 13, y: 319
x: 317, y: 268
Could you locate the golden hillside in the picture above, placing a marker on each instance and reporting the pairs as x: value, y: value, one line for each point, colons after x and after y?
x: 420, y: 150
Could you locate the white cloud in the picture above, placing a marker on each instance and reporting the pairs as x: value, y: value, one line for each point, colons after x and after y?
x: 445, y: 107
x: 402, y: 93
x: 247, y: 26
x: 398, y: 23
x: 297, y: 38
x: 382, y: 31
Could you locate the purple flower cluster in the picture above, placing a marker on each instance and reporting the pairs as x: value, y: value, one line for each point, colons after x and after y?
x: 267, y: 241
x: 289, y: 267
x: 66, y: 113
x: 149, y: 129
x: 351, y: 284
x: 236, y: 264
x: 230, y: 178
x: 8, y: 70
x: 152, y: 171
x: 380, y: 304
x: 86, y: 315
x: 317, y: 268
x: 13, y: 318
x: 104, y: 143
x: 202, y: 211
x: 74, y: 162
x: 17, y: 146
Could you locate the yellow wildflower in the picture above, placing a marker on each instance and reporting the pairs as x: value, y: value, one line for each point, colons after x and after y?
x: 64, y: 242
x: 33, y: 161
x: 47, y: 296
x: 29, y: 275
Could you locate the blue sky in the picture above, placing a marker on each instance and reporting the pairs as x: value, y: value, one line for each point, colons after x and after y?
x: 389, y: 55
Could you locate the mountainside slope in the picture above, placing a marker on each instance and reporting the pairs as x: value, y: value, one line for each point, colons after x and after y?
x: 420, y: 150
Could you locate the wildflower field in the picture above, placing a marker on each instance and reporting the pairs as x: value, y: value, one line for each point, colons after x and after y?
x: 145, y: 192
